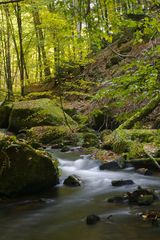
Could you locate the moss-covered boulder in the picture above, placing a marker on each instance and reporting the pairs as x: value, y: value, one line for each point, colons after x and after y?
x: 40, y: 112
x: 39, y: 95
x: 130, y: 141
x: 90, y: 140
x: 24, y: 170
x: 53, y: 134
x: 5, y: 111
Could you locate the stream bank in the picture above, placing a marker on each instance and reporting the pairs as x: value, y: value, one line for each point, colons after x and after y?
x: 61, y: 213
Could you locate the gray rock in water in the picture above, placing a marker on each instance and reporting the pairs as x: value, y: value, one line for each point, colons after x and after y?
x: 119, y: 183
x: 112, y: 165
x: 92, y: 219
x: 72, y: 181
x: 65, y: 149
x: 141, y: 196
x: 117, y: 199
x: 144, y: 171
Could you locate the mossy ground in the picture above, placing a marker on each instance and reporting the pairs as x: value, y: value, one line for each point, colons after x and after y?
x: 132, y: 142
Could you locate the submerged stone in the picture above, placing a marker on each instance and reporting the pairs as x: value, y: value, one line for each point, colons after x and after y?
x: 117, y: 199
x: 119, y: 183
x: 65, y: 149
x: 141, y: 196
x: 92, y: 219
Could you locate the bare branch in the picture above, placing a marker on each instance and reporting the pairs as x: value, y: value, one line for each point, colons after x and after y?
x: 11, y: 1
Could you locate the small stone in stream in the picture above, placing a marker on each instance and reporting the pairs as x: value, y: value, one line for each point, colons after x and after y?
x: 65, y: 149
x: 117, y: 199
x: 145, y: 200
x: 112, y: 165
x: 92, y: 219
x: 72, y: 181
x: 144, y: 171
x: 141, y: 196
x: 119, y: 183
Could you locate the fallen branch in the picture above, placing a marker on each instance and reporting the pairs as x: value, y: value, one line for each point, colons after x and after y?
x: 11, y: 1
x: 152, y: 158
x: 142, y: 113
x: 121, y: 55
x: 144, y: 162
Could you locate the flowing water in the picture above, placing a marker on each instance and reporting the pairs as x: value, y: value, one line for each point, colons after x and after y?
x: 60, y: 214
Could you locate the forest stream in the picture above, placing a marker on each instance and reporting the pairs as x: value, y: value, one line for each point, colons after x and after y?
x: 61, y: 213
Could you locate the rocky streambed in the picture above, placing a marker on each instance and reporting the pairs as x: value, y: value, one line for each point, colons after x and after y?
x: 61, y: 213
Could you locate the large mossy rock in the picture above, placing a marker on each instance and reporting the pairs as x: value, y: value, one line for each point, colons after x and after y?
x: 24, y: 170
x: 5, y: 111
x: 53, y: 134
x: 40, y: 112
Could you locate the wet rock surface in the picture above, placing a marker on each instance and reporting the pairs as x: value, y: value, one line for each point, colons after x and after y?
x: 72, y: 181
x: 141, y: 196
x: 111, y: 165
x: 92, y: 219
x: 25, y: 170
x: 119, y: 183
x: 144, y: 171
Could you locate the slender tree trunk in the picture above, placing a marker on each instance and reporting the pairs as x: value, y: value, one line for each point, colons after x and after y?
x: 41, y: 43
x: 8, y: 57
x: 21, y: 53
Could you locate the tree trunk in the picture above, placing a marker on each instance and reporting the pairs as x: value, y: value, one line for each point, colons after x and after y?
x: 145, y: 111
x: 8, y: 57
x: 40, y: 35
x: 21, y: 52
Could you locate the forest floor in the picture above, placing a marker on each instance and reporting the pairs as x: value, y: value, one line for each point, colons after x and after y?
x: 78, y: 90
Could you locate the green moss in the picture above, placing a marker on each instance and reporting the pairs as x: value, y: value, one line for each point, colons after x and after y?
x: 130, y: 141
x: 24, y: 169
x: 90, y: 140
x: 52, y: 134
x: 38, y: 95
x: 136, y: 150
x: 27, y: 114
x: 80, y: 119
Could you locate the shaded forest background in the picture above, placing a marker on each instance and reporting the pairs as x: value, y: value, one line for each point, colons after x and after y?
x: 104, y: 52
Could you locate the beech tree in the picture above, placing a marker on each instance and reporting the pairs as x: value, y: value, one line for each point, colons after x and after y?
x: 47, y: 37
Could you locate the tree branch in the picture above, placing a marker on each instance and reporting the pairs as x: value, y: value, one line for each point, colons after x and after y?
x: 11, y: 1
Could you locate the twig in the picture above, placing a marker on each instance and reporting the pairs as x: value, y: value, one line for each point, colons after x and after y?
x: 11, y: 1
x: 119, y: 54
